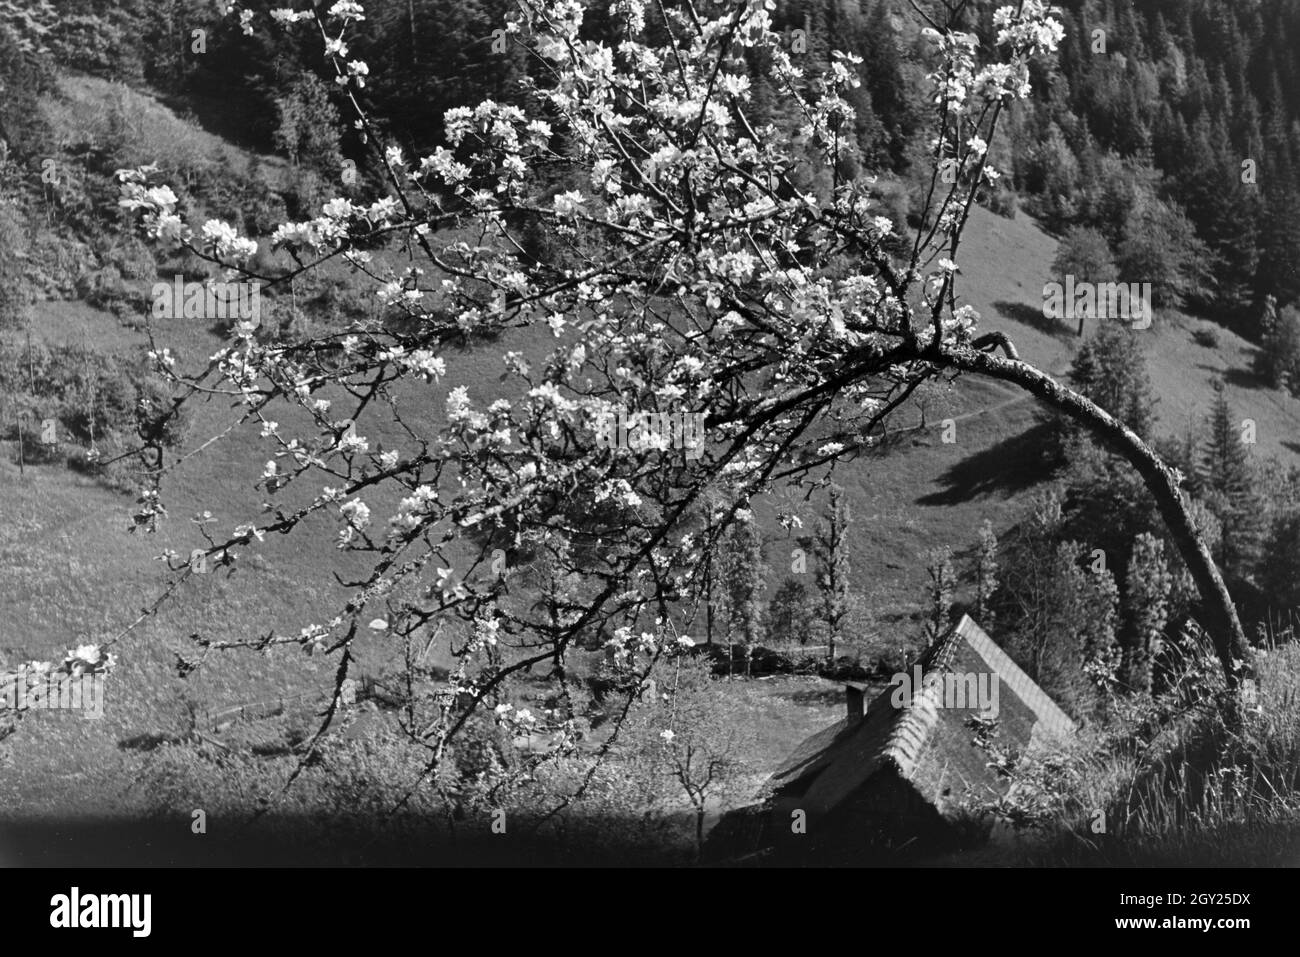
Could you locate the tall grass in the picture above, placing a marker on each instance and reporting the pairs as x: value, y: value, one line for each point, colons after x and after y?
x: 1175, y: 779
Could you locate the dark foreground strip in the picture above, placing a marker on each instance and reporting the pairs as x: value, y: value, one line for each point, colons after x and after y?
x: 257, y: 909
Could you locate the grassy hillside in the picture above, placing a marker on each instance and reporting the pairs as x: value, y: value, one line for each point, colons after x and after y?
x: 1005, y: 264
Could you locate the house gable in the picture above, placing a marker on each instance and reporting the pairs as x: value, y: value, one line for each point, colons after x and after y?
x: 926, y: 744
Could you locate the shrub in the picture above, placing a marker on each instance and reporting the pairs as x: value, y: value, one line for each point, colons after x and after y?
x: 132, y: 259
x: 262, y: 208
x: 306, y: 192
x: 101, y: 287
x: 36, y: 451
x: 86, y: 462
x: 100, y: 401
x: 1173, y: 780
x: 1206, y: 337
x: 58, y: 263
x: 1004, y: 202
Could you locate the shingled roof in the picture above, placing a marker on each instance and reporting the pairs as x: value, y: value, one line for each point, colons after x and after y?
x: 927, y: 745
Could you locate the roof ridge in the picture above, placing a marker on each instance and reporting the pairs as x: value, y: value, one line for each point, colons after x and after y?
x: 1046, y: 711
x: 842, y: 756
x: 912, y: 728
x: 939, y: 653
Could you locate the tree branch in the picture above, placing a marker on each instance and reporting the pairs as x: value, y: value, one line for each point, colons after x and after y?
x: 1217, y: 614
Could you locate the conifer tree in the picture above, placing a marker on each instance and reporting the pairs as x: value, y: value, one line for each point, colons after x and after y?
x: 1110, y: 369
x: 1279, y: 574
x: 1228, y: 482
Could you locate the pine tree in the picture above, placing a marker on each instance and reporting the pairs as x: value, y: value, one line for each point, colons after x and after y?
x: 1279, y: 572
x: 1127, y: 37
x: 1110, y: 369
x: 1171, y: 141
x: 894, y: 102
x: 1279, y: 242
x: 1222, y: 207
x: 309, y: 125
x: 1228, y: 483
x: 1160, y: 40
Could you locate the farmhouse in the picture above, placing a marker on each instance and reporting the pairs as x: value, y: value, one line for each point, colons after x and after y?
x: 886, y: 777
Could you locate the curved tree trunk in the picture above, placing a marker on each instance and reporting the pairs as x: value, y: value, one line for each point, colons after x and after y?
x: 1217, y: 613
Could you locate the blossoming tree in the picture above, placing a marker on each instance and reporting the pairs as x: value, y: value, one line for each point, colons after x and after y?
x: 698, y: 271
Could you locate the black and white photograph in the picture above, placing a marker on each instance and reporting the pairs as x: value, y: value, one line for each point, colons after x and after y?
x: 690, y: 434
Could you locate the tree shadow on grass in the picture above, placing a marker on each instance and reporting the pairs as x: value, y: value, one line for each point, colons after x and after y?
x: 1241, y: 378
x: 1034, y: 318
x: 811, y: 697
x: 1010, y: 467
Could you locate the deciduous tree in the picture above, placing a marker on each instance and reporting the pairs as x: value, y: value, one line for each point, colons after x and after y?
x: 713, y: 267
